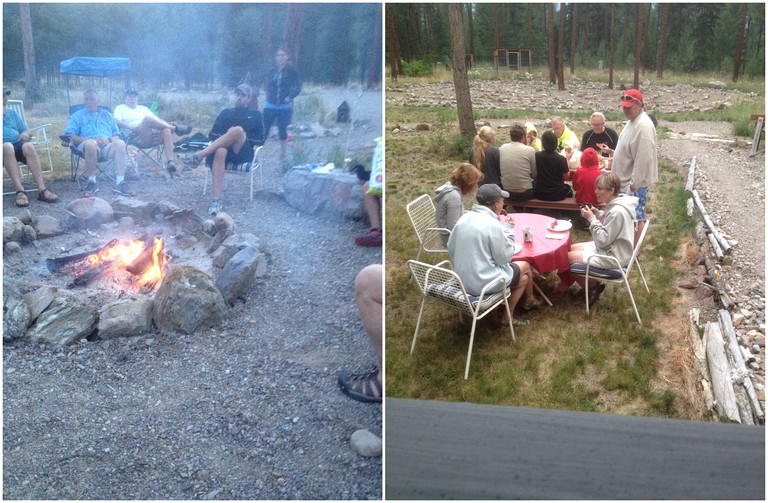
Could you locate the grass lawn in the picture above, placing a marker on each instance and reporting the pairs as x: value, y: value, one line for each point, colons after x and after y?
x: 604, y: 362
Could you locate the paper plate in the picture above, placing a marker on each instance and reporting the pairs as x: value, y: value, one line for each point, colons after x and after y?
x: 518, y: 247
x: 560, y: 226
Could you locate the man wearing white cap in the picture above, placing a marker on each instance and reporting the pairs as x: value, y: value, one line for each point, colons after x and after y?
x: 481, y: 250
x: 634, y: 159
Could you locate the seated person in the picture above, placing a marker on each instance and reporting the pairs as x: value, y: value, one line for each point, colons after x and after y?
x: 147, y: 129
x: 584, y: 177
x: 17, y: 148
x: 448, y: 204
x: 564, y: 135
x: 532, y: 136
x: 235, y: 133
x: 552, y: 169
x: 518, y: 165
x: 481, y: 250
x: 485, y: 156
x: 94, y: 132
x: 372, y: 205
x: 613, y: 231
x: 599, y: 134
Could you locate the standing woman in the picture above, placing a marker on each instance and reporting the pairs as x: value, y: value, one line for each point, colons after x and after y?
x: 282, y: 86
x: 485, y: 156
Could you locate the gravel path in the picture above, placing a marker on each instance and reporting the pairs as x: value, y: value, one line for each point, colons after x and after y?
x: 248, y: 410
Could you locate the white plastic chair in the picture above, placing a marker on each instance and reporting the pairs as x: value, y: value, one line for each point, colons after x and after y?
x: 614, y: 275
x: 421, y: 211
x: 40, y: 140
x: 440, y: 284
x: 248, y: 168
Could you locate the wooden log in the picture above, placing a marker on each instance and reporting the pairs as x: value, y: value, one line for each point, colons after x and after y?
x: 720, y: 372
x: 91, y: 274
x: 710, y: 224
x: 689, y: 183
x: 741, y: 367
x: 689, y: 207
x: 700, y: 353
x: 57, y: 263
x: 725, y: 300
x: 715, y: 246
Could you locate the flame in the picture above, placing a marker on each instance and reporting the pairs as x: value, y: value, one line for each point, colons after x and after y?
x: 123, y: 254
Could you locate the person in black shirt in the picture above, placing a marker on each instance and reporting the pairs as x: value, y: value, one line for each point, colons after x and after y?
x: 599, y: 135
x: 233, y: 136
x: 552, y: 171
x: 282, y: 85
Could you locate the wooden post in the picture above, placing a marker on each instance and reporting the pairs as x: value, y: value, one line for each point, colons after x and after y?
x: 715, y: 247
x: 720, y: 372
x: 691, y: 169
x: 710, y: 224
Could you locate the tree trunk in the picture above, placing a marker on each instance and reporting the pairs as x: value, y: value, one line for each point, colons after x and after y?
x: 551, y: 38
x: 574, y: 29
x: 529, y: 34
x: 740, y: 45
x: 460, y: 79
x: 293, y: 27
x: 560, y: 37
x: 393, y: 47
x: 471, y: 33
x: 496, y: 41
x: 645, y: 39
x: 375, y: 72
x: 663, y: 45
x: 31, y: 92
x: 610, y: 63
x: 638, y: 31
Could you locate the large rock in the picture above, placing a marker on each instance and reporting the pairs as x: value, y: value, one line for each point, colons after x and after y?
x: 136, y: 208
x: 91, y: 210
x: 238, y: 276
x: 336, y: 193
x: 13, y: 229
x: 366, y: 444
x: 47, y: 226
x: 231, y: 246
x: 187, y: 300
x: 39, y: 300
x: 64, y: 322
x: 125, y: 318
x: 16, y: 314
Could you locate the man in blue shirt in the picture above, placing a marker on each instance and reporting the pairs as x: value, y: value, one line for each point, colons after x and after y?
x: 17, y: 148
x: 95, y: 134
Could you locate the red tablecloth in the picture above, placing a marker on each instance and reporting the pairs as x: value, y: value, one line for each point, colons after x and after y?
x: 543, y: 254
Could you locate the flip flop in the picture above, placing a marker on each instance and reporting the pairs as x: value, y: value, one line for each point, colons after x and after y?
x: 361, y: 387
x: 22, y: 201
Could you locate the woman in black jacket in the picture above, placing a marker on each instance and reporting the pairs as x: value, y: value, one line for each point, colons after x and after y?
x: 282, y: 86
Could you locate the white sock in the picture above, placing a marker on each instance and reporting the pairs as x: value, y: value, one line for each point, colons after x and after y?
x: 119, y: 179
x: 92, y: 179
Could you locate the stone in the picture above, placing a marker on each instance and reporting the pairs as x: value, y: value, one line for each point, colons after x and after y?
x: 28, y: 235
x: 136, y: 208
x: 26, y: 217
x: 125, y: 318
x: 166, y: 208
x: 231, y: 246
x: 48, y: 226
x: 39, y: 300
x: 125, y: 223
x: 336, y: 194
x: 64, y: 323
x: 366, y: 444
x: 737, y: 319
x: 11, y: 248
x: 716, y: 84
x: 237, y: 278
x: 687, y: 284
x: 703, y: 292
x: 13, y: 229
x: 16, y: 315
x: 91, y: 210
x: 187, y: 300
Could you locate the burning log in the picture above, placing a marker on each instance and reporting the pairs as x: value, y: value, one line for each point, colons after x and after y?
x: 57, y: 263
x: 91, y: 274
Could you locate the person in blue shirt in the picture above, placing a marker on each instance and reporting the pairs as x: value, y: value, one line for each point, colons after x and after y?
x: 17, y: 148
x: 95, y: 133
x: 282, y: 85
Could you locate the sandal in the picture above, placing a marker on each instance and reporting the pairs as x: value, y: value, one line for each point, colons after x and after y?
x: 532, y: 304
x: 361, y: 387
x: 47, y: 196
x: 596, y: 295
x: 373, y: 238
x: 22, y: 201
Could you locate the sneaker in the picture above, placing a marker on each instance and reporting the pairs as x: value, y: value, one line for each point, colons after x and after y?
x: 90, y: 189
x: 190, y: 159
x: 171, y: 167
x: 373, y: 238
x: 215, y: 207
x: 123, y: 189
x: 182, y: 130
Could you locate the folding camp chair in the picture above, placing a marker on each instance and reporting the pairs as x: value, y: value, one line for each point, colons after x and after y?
x: 40, y: 140
x: 152, y: 152
x: 75, y: 154
x: 246, y: 168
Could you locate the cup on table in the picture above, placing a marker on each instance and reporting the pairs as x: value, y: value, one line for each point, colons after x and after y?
x: 527, y: 234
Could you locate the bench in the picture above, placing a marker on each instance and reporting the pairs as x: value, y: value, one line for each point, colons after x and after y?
x: 567, y: 204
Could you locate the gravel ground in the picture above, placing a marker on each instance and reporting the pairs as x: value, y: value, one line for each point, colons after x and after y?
x: 247, y: 410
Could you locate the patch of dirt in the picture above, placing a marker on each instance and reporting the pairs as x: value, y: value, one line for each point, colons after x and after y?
x: 247, y: 410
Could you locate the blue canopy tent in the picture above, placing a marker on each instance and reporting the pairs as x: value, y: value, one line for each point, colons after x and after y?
x: 95, y: 67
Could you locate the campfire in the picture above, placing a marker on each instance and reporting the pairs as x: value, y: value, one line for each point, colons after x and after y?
x: 144, y: 261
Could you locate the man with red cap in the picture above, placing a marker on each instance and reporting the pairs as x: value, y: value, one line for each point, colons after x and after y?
x: 634, y: 159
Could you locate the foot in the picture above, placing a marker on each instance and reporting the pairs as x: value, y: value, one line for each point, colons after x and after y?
x: 362, y: 387
x: 190, y: 159
x: 181, y: 130
x: 22, y: 201
x: 373, y: 238
x: 596, y: 295
x: 171, y: 167
x: 47, y: 196
x: 215, y: 207
x: 123, y: 189
x: 532, y: 304
x: 90, y: 189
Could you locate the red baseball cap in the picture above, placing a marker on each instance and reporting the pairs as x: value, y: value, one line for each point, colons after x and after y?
x: 630, y: 96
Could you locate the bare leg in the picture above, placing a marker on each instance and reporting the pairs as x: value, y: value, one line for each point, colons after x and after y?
x: 157, y: 123
x: 372, y: 207
x: 219, y: 163
x: 11, y: 166
x: 118, y: 153
x: 91, y: 151
x: 369, y: 301
x: 234, y: 138
x: 33, y: 162
x: 168, y: 144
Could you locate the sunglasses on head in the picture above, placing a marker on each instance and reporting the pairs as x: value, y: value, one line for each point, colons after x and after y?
x: 626, y: 97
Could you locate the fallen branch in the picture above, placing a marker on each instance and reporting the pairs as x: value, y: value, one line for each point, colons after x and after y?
x: 715, y: 246
x: 700, y: 353
x: 719, y: 371
x: 710, y: 224
x: 740, y: 365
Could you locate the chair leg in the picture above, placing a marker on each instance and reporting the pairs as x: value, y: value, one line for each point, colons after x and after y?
x: 632, y: 298
x: 586, y: 293
x: 640, y: 270
x: 418, y: 322
x: 509, y: 317
x: 471, y: 341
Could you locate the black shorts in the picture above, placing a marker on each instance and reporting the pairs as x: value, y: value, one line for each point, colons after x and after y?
x: 17, y: 146
x: 516, y: 276
x: 245, y: 155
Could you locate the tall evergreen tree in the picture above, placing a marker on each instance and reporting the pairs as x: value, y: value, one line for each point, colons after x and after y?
x: 460, y: 78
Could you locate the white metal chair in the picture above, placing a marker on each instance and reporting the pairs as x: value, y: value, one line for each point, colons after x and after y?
x: 246, y: 168
x: 40, y: 140
x: 440, y: 284
x: 614, y: 275
x: 421, y: 211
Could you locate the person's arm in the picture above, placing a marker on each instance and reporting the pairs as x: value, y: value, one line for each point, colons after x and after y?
x: 219, y: 125
x: 455, y: 209
x: 295, y: 87
x: 503, y: 245
x: 565, y: 171
x: 256, y: 135
x: 605, y: 233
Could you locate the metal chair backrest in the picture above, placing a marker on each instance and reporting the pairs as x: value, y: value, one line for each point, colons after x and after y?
x: 421, y: 212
